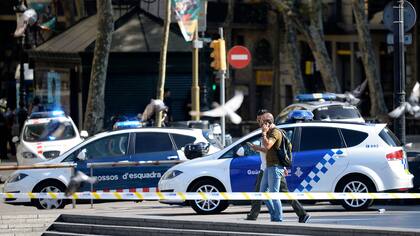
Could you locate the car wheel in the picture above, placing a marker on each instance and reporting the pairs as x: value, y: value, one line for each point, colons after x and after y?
x: 48, y: 203
x: 356, y: 185
x: 208, y: 206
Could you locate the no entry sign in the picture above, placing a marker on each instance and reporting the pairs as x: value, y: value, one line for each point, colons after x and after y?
x: 239, y: 57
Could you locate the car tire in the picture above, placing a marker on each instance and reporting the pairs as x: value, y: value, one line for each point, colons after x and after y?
x: 48, y: 204
x: 205, y: 207
x: 356, y: 185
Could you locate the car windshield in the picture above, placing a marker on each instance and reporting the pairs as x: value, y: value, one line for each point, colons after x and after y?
x: 51, y: 131
x: 336, y: 112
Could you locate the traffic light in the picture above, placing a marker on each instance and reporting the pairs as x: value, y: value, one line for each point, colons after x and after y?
x: 218, y: 54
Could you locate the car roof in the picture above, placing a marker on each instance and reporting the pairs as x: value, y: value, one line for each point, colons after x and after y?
x: 334, y: 124
x: 32, y: 121
x: 148, y: 129
x: 312, y: 105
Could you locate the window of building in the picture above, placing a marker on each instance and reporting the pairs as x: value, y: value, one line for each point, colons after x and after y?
x: 263, y: 53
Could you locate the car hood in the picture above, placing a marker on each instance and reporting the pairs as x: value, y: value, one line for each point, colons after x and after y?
x: 61, y: 145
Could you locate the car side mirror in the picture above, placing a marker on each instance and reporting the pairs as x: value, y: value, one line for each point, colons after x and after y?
x: 84, y: 134
x: 15, y: 139
x: 82, y: 155
x: 240, y: 152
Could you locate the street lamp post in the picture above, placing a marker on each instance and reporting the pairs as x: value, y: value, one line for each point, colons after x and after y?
x: 20, y: 25
x: 399, y: 67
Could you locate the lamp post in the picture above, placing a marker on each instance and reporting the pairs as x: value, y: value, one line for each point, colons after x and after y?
x: 20, y: 34
x: 399, y: 67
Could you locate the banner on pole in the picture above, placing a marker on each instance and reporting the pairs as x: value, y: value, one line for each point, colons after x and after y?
x: 186, y: 13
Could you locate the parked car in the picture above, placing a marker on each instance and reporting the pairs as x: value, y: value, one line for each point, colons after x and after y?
x: 143, y: 144
x: 324, y: 107
x: 413, y: 158
x: 46, y: 135
x: 327, y: 157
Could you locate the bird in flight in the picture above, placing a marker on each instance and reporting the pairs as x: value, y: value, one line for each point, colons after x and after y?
x: 77, y: 181
x: 353, y: 97
x: 228, y: 109
x: 412, y: 106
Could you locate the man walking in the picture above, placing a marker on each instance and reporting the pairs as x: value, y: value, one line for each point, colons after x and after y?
x: 256, y: 204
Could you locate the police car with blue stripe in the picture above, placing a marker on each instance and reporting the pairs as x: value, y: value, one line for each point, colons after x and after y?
x: 144, y: 144
x: 327, y: 157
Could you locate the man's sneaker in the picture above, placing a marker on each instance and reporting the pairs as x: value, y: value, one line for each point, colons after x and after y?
x: 304, y: 219
x: 248, y: 217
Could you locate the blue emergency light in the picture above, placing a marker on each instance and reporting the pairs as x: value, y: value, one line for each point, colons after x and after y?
x: 307, y: 97
x: 127, y: 124
x: 300, y: 115
x: 47, y: 114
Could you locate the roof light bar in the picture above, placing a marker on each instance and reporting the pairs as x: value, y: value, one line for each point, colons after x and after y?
x: 300, y: 115
x: 307, y: 97
x: 46, y: 114
x: 127, y: 124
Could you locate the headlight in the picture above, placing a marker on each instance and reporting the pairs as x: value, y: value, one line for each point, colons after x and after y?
x: 28, y: 155
x: 16, y: 177
x: 171, y: 174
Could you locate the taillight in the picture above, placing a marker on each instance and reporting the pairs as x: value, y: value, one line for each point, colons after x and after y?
x: 397, y: 155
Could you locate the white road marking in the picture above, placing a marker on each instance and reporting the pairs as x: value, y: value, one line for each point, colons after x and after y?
x: 239, y: 57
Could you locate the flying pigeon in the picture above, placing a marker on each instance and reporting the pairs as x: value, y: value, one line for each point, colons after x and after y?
x: 353, y: 97
x: 412, y: 106
x: 76, y: 181
x: 155, y: 105
x: 228, y: 109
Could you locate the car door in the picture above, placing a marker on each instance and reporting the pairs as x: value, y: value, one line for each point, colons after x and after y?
x: 109, y: 149
x: 320, y: 158
x: 180, y: 142
x: 243, y: 170
x: 150, y: 146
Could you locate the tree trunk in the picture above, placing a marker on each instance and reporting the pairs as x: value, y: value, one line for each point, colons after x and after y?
x: 162, y: 65
x: 307, y: 19
x: 69, y: 12
x: 293, y: 57
x: 279, y: 53
x: 378, y: 106
x: 95, y: 108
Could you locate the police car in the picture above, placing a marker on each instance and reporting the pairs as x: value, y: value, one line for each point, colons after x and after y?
x: 324, y: 106
x: 327, y: 157
x: 144, y: 144
x: 46, y: 135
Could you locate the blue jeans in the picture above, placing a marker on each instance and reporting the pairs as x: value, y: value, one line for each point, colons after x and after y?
x: 271, y: 183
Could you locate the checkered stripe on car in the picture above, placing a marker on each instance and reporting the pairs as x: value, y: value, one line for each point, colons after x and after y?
x: 318, y: 171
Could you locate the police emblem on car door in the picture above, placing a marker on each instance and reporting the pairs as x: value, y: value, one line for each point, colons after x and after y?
x: 320, y: 158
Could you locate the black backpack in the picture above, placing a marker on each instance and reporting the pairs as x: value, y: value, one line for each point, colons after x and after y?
x: 284, y: 153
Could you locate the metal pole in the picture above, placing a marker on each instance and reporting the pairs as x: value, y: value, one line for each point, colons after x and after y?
x: 91, y: 187
x: 22, y: 96
x: 195, y: 89
x: 73, y: 172
x: 399, y: 67
x: 222, y: 96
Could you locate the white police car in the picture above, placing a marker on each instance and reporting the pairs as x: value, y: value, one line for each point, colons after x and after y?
x: 144, y: 144
x: 46, y: 135
x: 324, y: 107
x: 328, y: 157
